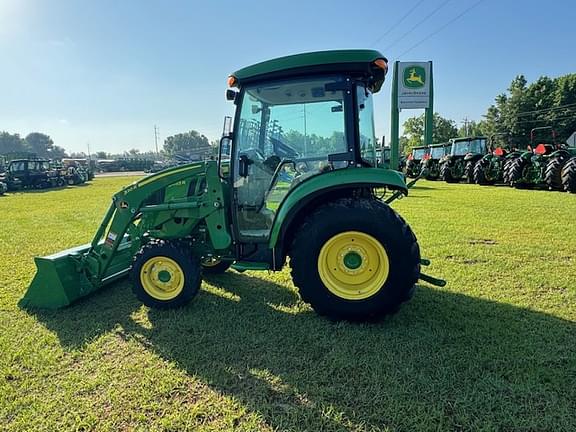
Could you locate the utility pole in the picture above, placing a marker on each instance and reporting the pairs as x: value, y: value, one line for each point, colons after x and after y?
x: 156, y: 133
x: 466, y: 122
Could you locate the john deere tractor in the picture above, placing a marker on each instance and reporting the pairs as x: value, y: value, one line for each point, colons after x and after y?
x: 494, y: 165
x: 542, y: 164
x: 431, y: 161
x: 414, y: 161
x: 464, y: 154
x: 295, y: 178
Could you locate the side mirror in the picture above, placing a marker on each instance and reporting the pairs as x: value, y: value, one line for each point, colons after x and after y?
x: 231, y: 95
x: 224, y: 154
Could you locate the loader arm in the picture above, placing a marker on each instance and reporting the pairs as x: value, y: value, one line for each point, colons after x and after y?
x: 169, y: 204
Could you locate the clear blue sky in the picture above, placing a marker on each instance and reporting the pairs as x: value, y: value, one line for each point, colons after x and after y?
x: 106, y: 71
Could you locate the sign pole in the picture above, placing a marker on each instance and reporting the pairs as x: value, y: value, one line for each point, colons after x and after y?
x: 395, y: 122
x: 429, y: 113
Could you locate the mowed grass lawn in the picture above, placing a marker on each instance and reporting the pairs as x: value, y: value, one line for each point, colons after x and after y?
x: 493, y: 350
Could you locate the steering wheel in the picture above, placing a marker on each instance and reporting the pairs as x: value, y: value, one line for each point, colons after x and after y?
x: 275, y: 178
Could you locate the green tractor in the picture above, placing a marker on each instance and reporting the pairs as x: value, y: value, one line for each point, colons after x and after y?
x: 30, y: 174
x: 295, y: 179
x: 431, y: 161
x: 541, y: 165
x: 493, y: 167
x: 414, y: 161
x: 464, y: 153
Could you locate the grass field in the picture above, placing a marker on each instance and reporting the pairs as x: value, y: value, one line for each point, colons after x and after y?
x: 493, y: 350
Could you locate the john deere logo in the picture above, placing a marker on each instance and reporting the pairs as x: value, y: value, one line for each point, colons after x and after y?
x: 414, y: 77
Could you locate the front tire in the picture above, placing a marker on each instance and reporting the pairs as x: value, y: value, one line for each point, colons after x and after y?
x: 469, y: 172
x: 165, y: 275
x: 361, y: 265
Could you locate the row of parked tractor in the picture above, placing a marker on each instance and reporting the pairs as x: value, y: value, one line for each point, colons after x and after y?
x: 32, y: 173
x: 486, y: 161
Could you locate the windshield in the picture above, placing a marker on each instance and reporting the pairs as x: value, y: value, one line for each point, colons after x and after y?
x: 418, y: 153
x: 436, y: 152
x: 460, y: 148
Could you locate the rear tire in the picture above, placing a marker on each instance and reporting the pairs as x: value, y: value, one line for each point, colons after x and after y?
x: 165, y: 275
x: 380, y: 282
x: 569, y: 175
x: 552, y: 174
x: 480, y: 175
x: 516, y: 173
x: 446, y: 174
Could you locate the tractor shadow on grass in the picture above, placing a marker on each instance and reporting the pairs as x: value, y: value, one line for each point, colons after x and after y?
x: 445, y: 361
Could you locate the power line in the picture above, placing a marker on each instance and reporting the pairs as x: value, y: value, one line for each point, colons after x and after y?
x: 461, y: 14
x: 390, y: 29
x: 546, y: 109
x: 419, y: 23
x: 550, y: 120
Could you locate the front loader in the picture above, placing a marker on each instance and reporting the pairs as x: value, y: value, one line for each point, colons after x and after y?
x: 274, y: 193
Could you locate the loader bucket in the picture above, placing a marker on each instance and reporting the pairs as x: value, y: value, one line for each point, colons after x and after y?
x: 60, y: 278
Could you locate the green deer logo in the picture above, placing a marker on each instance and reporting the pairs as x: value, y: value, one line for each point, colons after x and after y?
x: 414, y: 77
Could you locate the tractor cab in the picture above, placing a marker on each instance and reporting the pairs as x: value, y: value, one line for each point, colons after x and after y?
x: 418, y: 153
x: 462, y: 147
x: 294, y: 121
x: 438, y: 151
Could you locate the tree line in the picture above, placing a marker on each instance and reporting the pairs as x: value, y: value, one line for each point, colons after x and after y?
x: 545, y: 102
x: 37, y: 143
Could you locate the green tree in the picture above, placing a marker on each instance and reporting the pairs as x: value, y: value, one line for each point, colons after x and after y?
x: 545, y: 102
x: 443, y: 130
x: 101, y: 155
x: 187, y: 143
x: 39, y: 143
x: 11, y: 143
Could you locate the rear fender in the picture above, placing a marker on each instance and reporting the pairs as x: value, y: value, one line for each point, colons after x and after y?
x: 316, y: 190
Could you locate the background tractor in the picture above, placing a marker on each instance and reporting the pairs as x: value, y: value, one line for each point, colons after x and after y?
x: 542, y: 164
x: 493, y: 166
x: 272, y: 194
x: 431, y: 161
x: 464, y: 153
x: 414, y: 161
x: 30, y: 174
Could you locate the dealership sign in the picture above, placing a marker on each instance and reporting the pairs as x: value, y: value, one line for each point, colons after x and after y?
x: 414, y: 85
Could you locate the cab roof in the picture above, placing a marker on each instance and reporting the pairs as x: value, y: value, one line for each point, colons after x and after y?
x: 356, y: 62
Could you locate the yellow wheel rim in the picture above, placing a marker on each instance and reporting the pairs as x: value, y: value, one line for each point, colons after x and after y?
x: 353, y: 265
x: 162, y: 278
